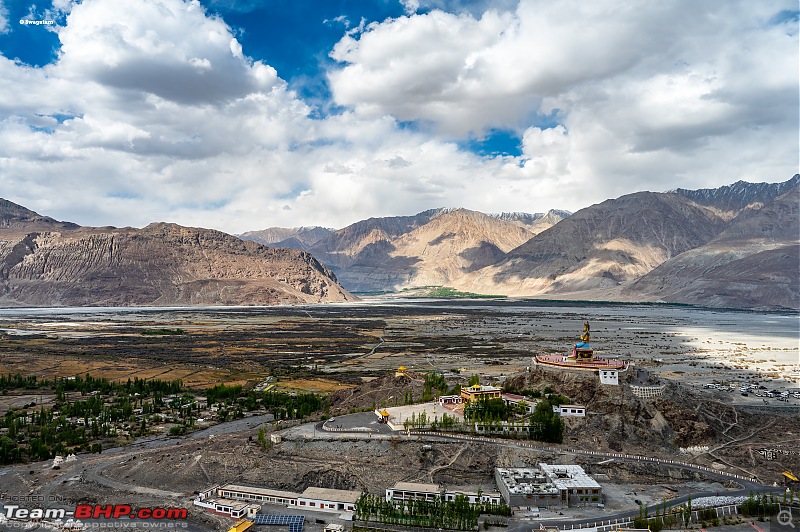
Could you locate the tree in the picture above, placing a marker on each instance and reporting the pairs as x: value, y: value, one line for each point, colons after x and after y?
x: 474, y: 380
x: 546, y: 425
x: 687, y: 513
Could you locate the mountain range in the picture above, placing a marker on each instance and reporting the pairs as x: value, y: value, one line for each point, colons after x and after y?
x: 44, y: 262
x: 433, y: 247
x: 734, y: 246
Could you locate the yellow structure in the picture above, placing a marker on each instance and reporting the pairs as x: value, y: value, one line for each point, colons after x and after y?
x: 582, y: 351
x: 401, y: 372
x: 585, y: 336
x: 790, y: 476
x: 478, y: 392
x: 241, y: 526
x: 384, y: 416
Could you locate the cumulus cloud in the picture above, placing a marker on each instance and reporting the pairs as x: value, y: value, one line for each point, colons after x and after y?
x: 160, y: 114
x: 651, y: 93
x: 172, y: 50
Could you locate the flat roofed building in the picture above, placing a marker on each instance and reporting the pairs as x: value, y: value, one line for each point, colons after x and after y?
x: 235, y: 509
x: 527, y: 486
x: 329, y: 500
x: 609, y: 376
x: 580, y: 487
x: 547, y: 485
x: 478, y: 392
x: 450, y: 400
x: 413, y: 491
x: 473, y: 497
x: 263, y: 495
x: 313, y: 498
x: 570, y: 410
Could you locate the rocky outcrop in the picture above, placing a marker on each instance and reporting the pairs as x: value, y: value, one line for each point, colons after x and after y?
x: 48, y: 263
x: 618, y: 420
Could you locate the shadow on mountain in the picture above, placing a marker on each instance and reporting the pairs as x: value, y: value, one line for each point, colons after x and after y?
x: 480, y: 256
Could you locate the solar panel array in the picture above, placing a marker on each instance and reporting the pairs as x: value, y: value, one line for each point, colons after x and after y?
x: 295, y: 522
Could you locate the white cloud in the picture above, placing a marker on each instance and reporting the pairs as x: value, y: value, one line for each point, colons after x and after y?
x: 651, y: 95
x: 410, y: 6
x: 161, y: 115
x: 4, y: 24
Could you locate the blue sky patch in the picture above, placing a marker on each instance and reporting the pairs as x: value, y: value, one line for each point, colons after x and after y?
x: 495, y: 142
x: 296, y: 40
x: 34, y: 45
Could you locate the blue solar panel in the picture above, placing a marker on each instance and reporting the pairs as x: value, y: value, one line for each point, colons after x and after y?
x: 295, y: 522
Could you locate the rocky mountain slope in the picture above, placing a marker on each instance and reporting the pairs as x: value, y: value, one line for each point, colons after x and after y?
x: 730, y: 200
x: 600, y: 247
x: 754, y: 262
x: 13, y: 216
x: 619, y: 421
x: 48, y: 263
x: 735, y: 246
x: 712, y: 244
x: 430, y: 248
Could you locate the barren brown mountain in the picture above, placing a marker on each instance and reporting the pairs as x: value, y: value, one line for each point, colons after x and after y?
x: 600, y: 247
x: 754, y: 262
x: 48, y: 263
x: 431, y: 248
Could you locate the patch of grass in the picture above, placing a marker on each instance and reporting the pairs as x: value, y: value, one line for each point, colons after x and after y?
x: 443, y: 291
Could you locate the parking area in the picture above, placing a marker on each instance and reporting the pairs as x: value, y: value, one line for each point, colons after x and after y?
x: 361, y: 422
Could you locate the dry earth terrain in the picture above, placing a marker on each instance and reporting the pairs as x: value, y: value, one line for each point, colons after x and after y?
x: 356, y: 348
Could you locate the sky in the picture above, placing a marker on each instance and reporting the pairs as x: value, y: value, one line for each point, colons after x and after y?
x: 239, y: 115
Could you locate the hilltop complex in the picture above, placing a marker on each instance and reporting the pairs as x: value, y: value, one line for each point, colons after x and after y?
x: 582, y: 357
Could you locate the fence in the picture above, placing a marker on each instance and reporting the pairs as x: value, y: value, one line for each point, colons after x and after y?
x: 613, y: 524
x: 648, y: 392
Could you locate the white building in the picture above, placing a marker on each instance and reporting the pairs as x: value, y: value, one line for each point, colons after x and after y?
x: 570, y: 410
x: 238, y: 501
x: 514, y: 399
x: 553, y: 486
x: 450, y: 400
x: 609, y: 376
x: 413, y: 491
x: 473, y: 497
x: 328, y: 500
